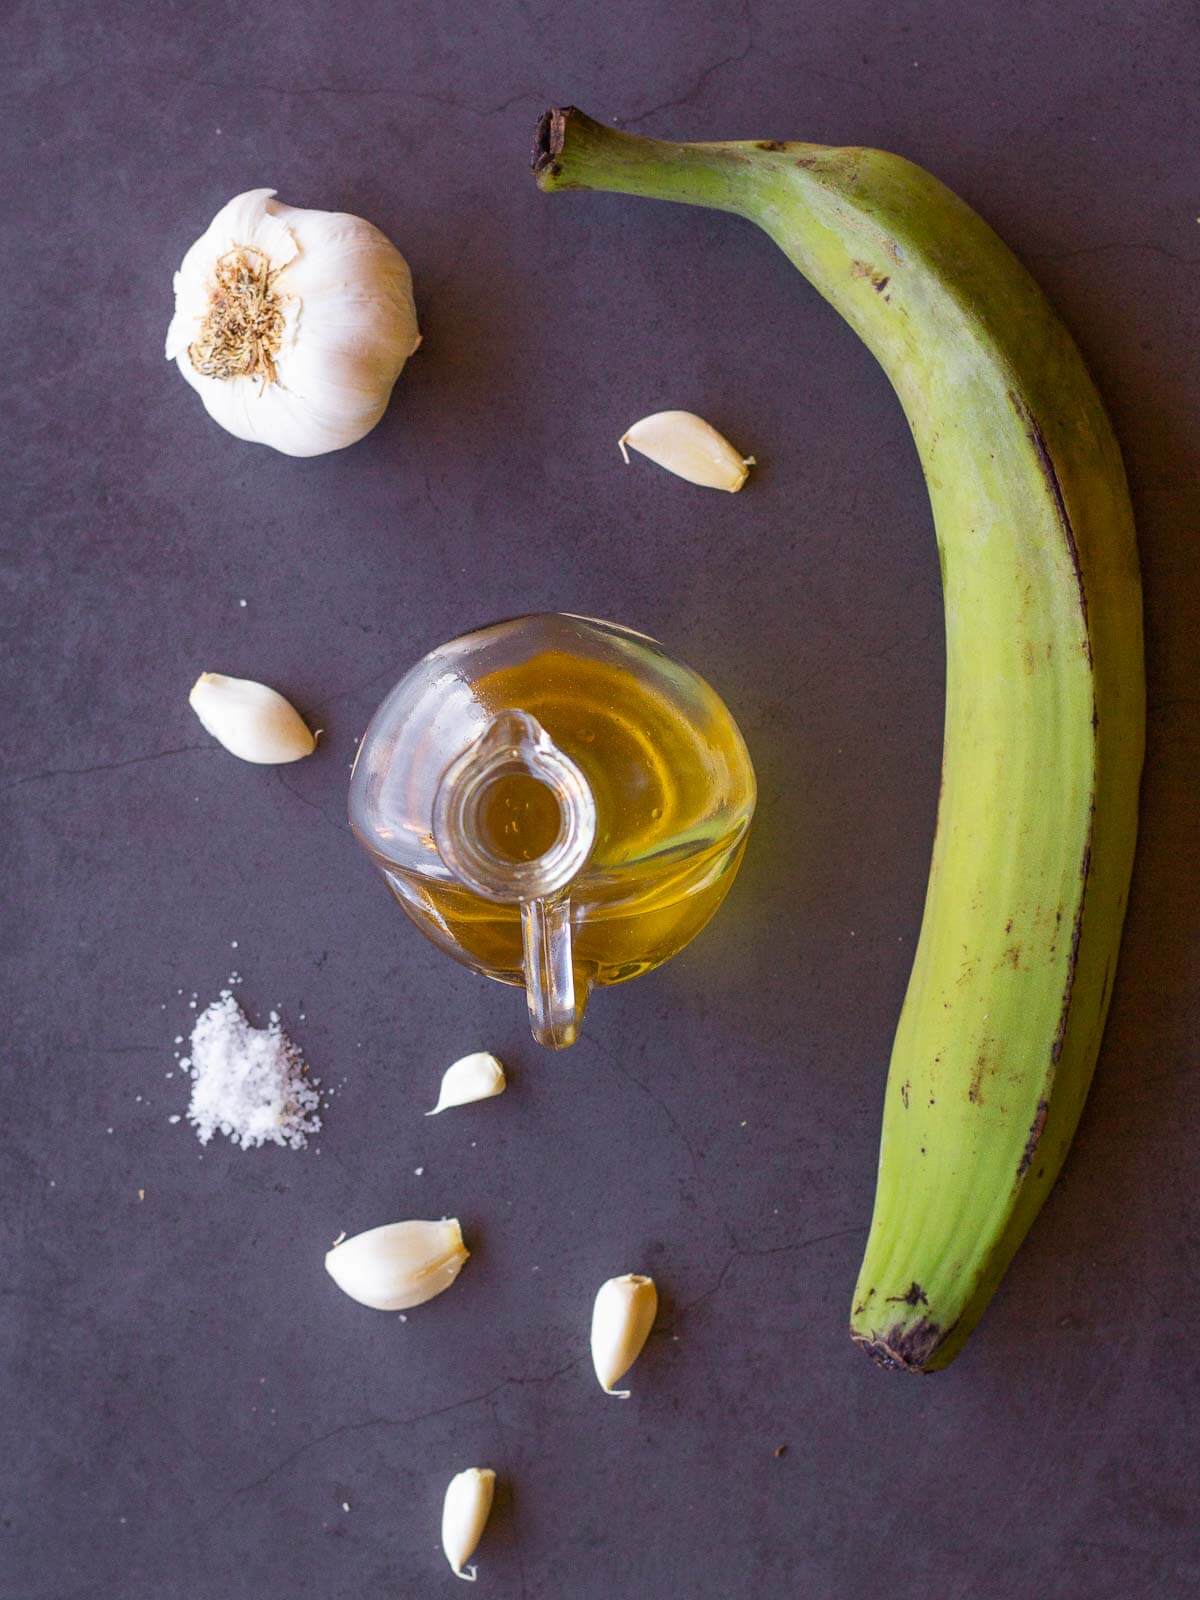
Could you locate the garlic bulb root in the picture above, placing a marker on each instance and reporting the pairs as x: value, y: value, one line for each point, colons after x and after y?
x: 292, y: 325
x: 243, y: 328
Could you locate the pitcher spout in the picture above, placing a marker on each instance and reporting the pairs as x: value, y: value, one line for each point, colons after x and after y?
x: 514, y: 820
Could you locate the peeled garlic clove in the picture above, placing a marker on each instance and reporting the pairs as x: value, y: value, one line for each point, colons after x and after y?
x: 689, y: 447
x: 250, y: 720
x: 475, y: 1077
x: 400, y: 1265
x: 621, y: 1321
x: 465, y: 1512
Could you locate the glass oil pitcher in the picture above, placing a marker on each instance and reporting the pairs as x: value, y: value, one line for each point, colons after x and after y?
x: 556, y: 803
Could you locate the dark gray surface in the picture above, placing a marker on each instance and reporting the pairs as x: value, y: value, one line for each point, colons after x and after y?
x: 190, y: 1400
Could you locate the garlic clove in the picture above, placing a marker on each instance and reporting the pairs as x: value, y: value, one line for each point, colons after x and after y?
x: 399, y: 1265
x: 465, y: 1511
x: 689, y: 447
x: 475, y: 1077
x: 250, y: 720
x: 622, y: 1317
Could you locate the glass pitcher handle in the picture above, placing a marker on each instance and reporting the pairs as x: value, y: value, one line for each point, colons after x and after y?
x: 556, y: 991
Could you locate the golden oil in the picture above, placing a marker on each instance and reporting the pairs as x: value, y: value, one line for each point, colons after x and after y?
x: 673, y: 790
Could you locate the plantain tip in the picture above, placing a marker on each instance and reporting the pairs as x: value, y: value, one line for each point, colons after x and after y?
x: 903, y: 1347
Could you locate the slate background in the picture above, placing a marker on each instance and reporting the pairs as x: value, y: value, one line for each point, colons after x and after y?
x: 189, y: 1401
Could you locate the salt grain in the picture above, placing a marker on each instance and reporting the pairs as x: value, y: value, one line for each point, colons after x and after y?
x: 248, y: 1083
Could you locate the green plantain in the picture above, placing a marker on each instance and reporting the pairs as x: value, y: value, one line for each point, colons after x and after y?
x: 1044, y: 701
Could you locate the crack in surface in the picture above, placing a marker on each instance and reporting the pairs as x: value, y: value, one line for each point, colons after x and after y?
x: 364, y: 683
x: 384, y: 1422
x: 702, y: 78
x: 102, y: 766
x: 311, y: 804
x: 675, y: 1125
x: 743, y: 1252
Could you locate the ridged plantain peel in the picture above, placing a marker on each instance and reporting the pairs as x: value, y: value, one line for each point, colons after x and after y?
x: 1042, y: 752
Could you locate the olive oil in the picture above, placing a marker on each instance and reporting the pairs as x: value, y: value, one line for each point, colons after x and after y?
x: 555, y: 802
x: 673, y: 791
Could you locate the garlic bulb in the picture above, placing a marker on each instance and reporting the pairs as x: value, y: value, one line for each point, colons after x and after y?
x: 292, y: 325
x: 689, y: 447
x: 250, y: 720
x: 465, y: 1511
x: 400, y: 1265
x: 475, y: 1077
x: 622, y: 1317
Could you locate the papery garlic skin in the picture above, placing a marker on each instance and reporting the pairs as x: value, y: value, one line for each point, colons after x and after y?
x: 474, y: 1077
x: 251, y: 720
x: 689, y: 447
x: 622, y: 1317
x: 348, y: 324
x: 465, y: 1511
x: 399, y: 1265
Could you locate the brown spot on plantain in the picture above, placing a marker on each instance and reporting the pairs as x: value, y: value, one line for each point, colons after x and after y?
x: 904, y: 1088
x: 914, y: 1295
x: 903, y: 1348
x: 1028, y: 657
x: 984, y: 1062
x: 1045, y: 460
x: 975, y: 1088
x: 879, y: 280
x: 1011, y: 958
x: 1073, y: 960
x: 1035, y: 1134
x: 771, y: 144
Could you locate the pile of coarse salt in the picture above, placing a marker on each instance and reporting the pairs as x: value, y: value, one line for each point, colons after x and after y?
x: 248, y: 1083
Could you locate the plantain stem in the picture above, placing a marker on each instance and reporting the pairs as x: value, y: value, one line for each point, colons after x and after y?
x: 571, y: 151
